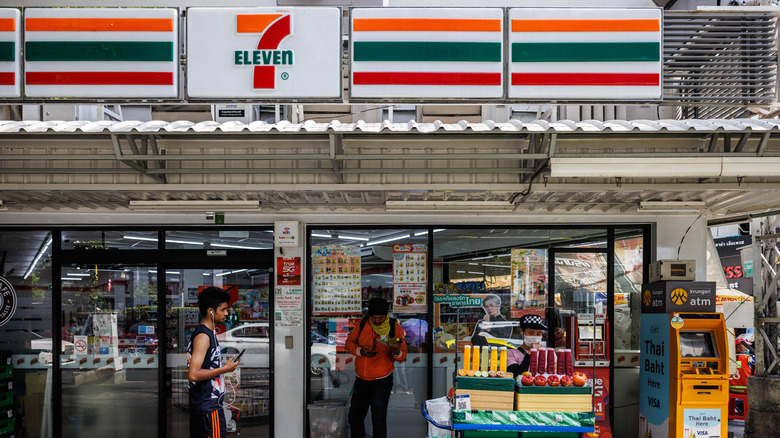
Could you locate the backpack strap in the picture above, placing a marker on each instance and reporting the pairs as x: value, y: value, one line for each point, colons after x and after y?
x: 365, y: 320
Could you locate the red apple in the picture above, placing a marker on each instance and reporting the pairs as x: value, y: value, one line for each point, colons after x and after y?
x: 527, y: 380
x: 553, y: 380
x: 567, y: 381
x: 540, y: 380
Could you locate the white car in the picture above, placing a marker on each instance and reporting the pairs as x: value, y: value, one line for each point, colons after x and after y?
x: 254, y: 337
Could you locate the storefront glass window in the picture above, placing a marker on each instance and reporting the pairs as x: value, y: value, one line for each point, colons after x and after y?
x: 26, y: 331
x: 247, y: 400
x: 101, y: 239
x: 629, y: 269
x: 219, y: 239
x: 349, y: 267
x: 579, y: 238
x: 109, y: 372
x: 506, y: 269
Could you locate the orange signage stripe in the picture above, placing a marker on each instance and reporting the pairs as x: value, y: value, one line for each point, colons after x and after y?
x: 638, y: 25
x: 99, y: 24
x: 7, y: 25
x: 254, y: 23
x: 426, y: 25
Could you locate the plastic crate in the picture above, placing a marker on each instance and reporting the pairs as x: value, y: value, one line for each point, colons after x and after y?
x: 6, y: 425
x: 6, y: 399
x: 6, y: 372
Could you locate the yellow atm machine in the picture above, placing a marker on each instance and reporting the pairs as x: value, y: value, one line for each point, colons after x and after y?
x: 684, y: 377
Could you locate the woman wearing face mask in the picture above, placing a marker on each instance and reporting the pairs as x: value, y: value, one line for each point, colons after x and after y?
x: 519, y: 360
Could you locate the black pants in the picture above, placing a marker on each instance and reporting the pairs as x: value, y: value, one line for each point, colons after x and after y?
x: 374, y: 394
x: 211, y: 425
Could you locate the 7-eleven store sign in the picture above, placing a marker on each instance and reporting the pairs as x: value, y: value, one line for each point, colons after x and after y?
x: 264, y: 53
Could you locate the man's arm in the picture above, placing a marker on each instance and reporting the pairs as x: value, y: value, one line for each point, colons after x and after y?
x: 200, y: 345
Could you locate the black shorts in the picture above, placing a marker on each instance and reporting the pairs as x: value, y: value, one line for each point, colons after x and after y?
x: 211, y: 425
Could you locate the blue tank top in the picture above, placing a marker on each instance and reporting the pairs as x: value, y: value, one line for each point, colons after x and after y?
x: 207, y: 395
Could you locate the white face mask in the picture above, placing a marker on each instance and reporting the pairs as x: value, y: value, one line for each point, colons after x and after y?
x: 531, y: 340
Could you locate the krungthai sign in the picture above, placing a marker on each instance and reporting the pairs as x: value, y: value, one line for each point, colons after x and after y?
x: 265, y: 53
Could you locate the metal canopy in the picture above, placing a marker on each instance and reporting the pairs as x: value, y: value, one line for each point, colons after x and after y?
x: 359, y: 167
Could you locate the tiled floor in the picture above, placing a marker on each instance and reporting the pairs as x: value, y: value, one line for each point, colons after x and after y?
x: 737, y: 427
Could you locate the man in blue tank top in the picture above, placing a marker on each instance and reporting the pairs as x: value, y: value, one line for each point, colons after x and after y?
x: 204, y: 358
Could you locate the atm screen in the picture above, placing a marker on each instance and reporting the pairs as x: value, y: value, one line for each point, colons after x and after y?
x: 587, y: 333
x: 698, y: 344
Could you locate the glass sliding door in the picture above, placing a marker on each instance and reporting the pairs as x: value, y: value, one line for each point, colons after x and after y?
x: 110, y: 368
x: 247, y: 401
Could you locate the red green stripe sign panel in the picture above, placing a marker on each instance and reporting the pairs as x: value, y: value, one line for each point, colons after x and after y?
x: 579, y: 53
x: 264, y: 53
x: 427, y: 53
x: 101, y: 53
x: 10, y: 65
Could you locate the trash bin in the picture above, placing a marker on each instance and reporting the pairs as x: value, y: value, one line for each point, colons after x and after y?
x: 327, y: 418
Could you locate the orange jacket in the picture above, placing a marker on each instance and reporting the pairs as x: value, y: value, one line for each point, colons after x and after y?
x: 381, y: 365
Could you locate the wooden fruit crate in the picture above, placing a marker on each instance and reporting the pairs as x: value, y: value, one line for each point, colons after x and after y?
x: 553, y: 398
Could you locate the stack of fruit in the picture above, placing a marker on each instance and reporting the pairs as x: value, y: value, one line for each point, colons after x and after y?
x: 548, y: 368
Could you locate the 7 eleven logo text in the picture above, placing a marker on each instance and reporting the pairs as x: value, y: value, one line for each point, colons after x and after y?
x: 273, y: 29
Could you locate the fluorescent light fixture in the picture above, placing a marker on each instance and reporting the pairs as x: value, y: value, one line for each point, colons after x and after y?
x: 71, y: 278
x: 496, y: 266
x: 460, y: 272
x: 483, y: 258
x: 389, y: 239
x: 635, y: 167
x: 195, y: 205
x: 77, y: 274
x: 230, y: 245
x: 222, y: 274
x: 154, y: 239
x: 422, y: 233
x: 167, y: 272
x: 477, y: 273
x: 671, y: 206
x: 449, y: 206
x: 327, y: 236
x: 37, y: 258
x: 664, y: 167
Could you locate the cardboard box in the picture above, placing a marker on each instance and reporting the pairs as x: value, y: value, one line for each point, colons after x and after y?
x: 553, y: 399
x: 35, y: 382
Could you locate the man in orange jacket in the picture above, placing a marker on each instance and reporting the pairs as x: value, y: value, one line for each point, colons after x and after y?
x: 378, y: 342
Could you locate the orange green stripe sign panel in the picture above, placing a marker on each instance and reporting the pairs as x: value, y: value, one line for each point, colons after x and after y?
x: 581, y: 54
x: 10, y: 65
x: 264, y: 53
x: 427, y: 53
x: 101, y: 53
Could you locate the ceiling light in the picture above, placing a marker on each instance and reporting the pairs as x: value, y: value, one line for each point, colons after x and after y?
x: 671, y: 206
x: 198, y: 205
x: 327, y: 236
x: 496, y: 266
x: 77, y: 274
x: 37, y: 258
x: 154, y: 239
x: 450, y: 206
x: 389, y: 239
x: 483, y: 258
x: 222, y: 274
x: 226, y: 245
x: 460, y: 272
x: 672, y: 167
x: 477, y: 273
x: 71, y: 278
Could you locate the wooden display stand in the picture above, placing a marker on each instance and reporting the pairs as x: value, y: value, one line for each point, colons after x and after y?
x: 553, y: 399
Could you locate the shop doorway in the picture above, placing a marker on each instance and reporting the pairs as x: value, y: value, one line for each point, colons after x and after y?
x: 109, y: 360
x: 247, y: 328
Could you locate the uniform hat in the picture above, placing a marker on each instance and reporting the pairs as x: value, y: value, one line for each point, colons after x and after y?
x: 532, y: 322
x: 377, y: 306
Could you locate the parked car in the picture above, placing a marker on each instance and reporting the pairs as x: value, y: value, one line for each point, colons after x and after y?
x: 254, y: 337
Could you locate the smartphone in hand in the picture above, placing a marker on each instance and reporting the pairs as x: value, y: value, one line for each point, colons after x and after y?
x: 237, y: 358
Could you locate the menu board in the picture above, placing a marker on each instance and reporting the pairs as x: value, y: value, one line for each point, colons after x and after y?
x: 336, y: 280
x: 410, y: 279
x: 529, y: 279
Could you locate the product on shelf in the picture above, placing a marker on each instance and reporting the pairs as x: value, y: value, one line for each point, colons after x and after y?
x: 502, y: 360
